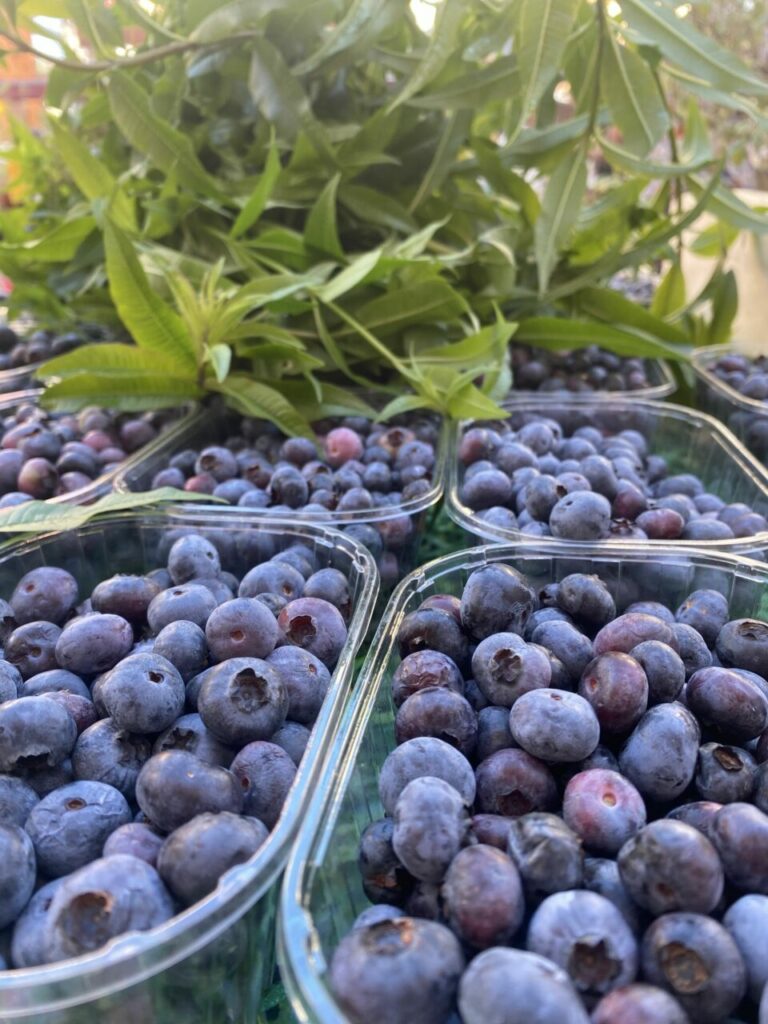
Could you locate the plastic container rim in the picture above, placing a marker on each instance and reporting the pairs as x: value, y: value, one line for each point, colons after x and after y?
x: 370, y: 515
x: 18, y: 999
x: 729, y: 443
x: 700, y: 357
x: 299, y: 950
x: 666, y: 386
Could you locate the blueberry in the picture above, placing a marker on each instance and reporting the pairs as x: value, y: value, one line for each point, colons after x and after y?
x: 692, y: 649
x: 659, y: 757
x: 554, y: 725
x: 706, y: 611
x: 135, y: 839
x: 700, y: 814
x: 183, y: 644
x: 341, y: 445
x: 316, y: 626
x: 492, y: 732
x: 496, y: 599
x: 505, y: 667
x: 11, y: 683
x: 430, y: 826
x: 57, y: 680
x: 28, y: 943
x: 192, y: 602
x: 602, y: 876
x: 664, y: 670
x: 16, y: 800
x: 175, y: 786
x: 581, y: 515
x: 398, y: 970
x: 548, y: 854
x: 424, y: 669
x: 219, y: 462
x: 191, y: 557
x: 331, y: 585
x: 242, y: 700
x: 511, y: 782
x: 189, y: 733
x: 639, y: 1004
x: 586, y: 599
x: 106, y: 753
x: 45, y: 593
x: 728, y: 702
x: 38, y: 478
x: 293, y: 738
x: 630, y: 630
x: 725, y: 774
x: 509, y: 986
x: 670, y: 866
x: 740, y: 834
x: 375, y: 915
x: 567, y: 644
x: 90, y: 644
x: 242, y: 627
x: 195, y: 856
x: 70, y: 826
x: 34, y: 733
x: 143, y: 694
x: 491, y: 830
x: 384, y: 878
x: 17, y: 872
x: 435, y: 711
x: 604, y: 809
x: 586, y: 935
x: 127, y: 596
x: 694, y: 958
x: 266, y: 774
x: 275, y: 578
x: 105, y: 898
x: 425, y: 756
x: 31, y: 648
x: 743, y: 643
x: 483, y: 897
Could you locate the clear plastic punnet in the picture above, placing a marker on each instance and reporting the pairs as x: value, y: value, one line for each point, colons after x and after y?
x: 746, y: 417
x: 104, y: 483
x: 211, y: 963
x: 691, y: 442
x: 322, y: 891
x: 661, y: 385
x: 398, y: 526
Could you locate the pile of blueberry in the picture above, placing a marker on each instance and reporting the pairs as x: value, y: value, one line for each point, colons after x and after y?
x: 354, y: 466
x: 530, y: 474
x: 577, y: 814
x: 149, y: 734
x: 42, y: 344
x: 748, y: 376
x: 44, y: 454
x: 579, y: 372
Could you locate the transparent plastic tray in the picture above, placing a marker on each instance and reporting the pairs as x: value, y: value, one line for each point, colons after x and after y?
x: 661, y: 384
x: 20, y: 378
x: 214, y: 425
x: 208, y: 965
x: 322, y: 893
x: 692, y: 442
x: 746, y: 417
x: 101, y: 484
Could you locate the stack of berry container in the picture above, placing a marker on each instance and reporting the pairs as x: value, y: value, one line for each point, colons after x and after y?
x: 691, y: 443
x: 212, y: 961
x: 103, y: 482
x: 391, y: 531
x: 746, y: 417
x: 322, y: 891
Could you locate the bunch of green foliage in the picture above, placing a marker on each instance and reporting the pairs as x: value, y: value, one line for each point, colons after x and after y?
x: 280, y: 198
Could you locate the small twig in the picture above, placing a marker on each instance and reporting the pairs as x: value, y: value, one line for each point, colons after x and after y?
x: 677, y: 185
x: 594, y: 108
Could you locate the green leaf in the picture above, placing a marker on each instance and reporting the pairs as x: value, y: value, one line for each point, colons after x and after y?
x: 163, y: 144
x: 682, y: 44
x: 630, y: 91
x: 91, y: 176
x: 334, y: 400
x: 622, y: 158
x: 718, y: 97
x: 440, y: 47
x: 220, y: 358
x: 349, y: 277
x: 424, y: 302
x: 58, y: 246
x: 400, y: 405
x: 714, y: 241
x: 275, y: 287
x: 728, y: 207
x: 543, y: 30
x: 669, y: 297
x: 559, y: 211
x: 153, y: 324
x: 475, y: 348
x: 105, y: 358
x: 281, y: 99
x: 470, y: 403
x: 608, y: 304
x: 254, y: 208
x: 46, y: 517
x: 374, y: 207
x: 725, y: 306
x: 255, y: 399
x: 453, y: 136
x: 473, y: 90
x: 557, y: 334
x: 320, y: 231
x: 227, y: 19
x: 129, y: 391
x: 534, y: 145
x: 358, y: 17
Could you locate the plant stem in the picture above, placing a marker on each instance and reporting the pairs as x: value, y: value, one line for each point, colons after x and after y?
x: 676, y: 183
x: 594, y: 108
